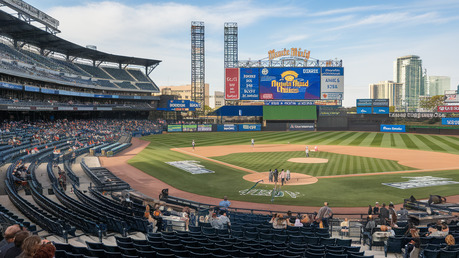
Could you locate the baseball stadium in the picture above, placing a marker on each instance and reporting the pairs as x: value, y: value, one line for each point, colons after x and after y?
x: 95, y: 162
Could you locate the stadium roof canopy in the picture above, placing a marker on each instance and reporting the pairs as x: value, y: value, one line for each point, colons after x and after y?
x: 19, y: 30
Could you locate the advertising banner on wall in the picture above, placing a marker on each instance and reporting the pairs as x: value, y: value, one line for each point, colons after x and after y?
x: 380, y: 110
x: 450, y: 121
x: 301, y: 127
x: 249, y: 127
x: 204, y: 128
x: 451, y: 98
x: 249, y: 81
x: 364, y: 110
x: 189, y: 128
x: 227, y: 128
x: 332, y: 83
x: 289, y: 83
x: 174, y: 128
x: 364, y: 102
x: 380, y: 102
x: 232, y: 83
x: 448, y: 109
x: 393, y: 128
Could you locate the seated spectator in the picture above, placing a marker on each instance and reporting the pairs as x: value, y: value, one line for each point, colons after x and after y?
x: 157, y: 216
x: 412, y: 249
x: 16, y: 250
x: 451, y: 242
x: 345, y: 227
x: 30, y: 246
x: 444, y: 227
x: 280, y: 222
x: 8, y: 237
x: 306, y: 219
x: 215, y: 222
x: 46, y: 250
x: 298, y: 222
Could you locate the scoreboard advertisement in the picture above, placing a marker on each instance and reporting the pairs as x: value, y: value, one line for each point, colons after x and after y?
x: 284, y: 83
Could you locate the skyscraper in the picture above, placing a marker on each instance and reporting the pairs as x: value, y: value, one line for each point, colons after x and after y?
x: 408, y: 71
x: 387, y: 90
x: 437, y: 85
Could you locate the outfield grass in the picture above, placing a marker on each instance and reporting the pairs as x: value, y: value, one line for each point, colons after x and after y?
x: 350, y: 191
x: 338, y: 164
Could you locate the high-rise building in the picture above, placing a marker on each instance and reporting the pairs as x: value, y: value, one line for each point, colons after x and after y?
x: 219, y: 99
x: 387, y: 90
x: 437, y: 85
x: 184, y: 92
x: 408, y: 71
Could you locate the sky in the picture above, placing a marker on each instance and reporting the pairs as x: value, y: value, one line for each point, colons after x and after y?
x: 367, y: 35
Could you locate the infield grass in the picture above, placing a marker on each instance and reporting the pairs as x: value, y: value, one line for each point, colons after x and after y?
x: 349, y: 191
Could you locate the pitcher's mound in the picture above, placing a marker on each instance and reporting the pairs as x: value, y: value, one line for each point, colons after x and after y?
x: 308, y: 160
x: 295, y: 179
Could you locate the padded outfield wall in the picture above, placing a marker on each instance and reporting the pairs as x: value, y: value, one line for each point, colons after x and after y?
x: 289, y: 113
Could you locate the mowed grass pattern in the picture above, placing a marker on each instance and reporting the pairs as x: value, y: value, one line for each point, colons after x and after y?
x: 338, y: 164
x: 348, y: 191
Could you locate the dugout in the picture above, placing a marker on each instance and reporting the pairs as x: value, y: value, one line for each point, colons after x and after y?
x: 289, y: 118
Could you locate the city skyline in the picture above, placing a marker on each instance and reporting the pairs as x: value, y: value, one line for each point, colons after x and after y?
x: 368, y: 37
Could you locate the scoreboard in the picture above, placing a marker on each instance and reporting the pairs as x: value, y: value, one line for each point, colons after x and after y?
x: 284, y: 83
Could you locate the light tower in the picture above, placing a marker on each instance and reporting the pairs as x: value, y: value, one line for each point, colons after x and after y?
x: 198, y: 63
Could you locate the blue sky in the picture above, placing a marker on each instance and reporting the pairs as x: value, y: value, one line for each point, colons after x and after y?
x: 367, y: 35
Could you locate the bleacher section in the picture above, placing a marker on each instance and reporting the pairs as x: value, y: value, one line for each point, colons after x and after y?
x: 147, y: 86
x: 118, y: 74
x: 74, y: 69
x: 126, y: 85
x: 94, y: 71
x: 105, y: 83
x: 138, y: 75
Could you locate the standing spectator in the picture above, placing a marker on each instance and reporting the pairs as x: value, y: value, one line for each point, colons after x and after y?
x: 370, y: 210
x: 325, y: 213
x: 16, y: 249
x: 383, y: 215
x: 376, y: 209
x: 225, y: 220
x: 225, y: 203
x: 392, y: 216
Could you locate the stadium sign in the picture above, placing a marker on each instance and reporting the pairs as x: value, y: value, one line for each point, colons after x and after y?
x: 190, y: 166
x: 393, y: 128
x: 450, y: 121
x: 416, y: 115
x: 292, y: 52
x: 421, y: 181
x: 301, y: 127
x: 332, y: 83
x: 448, y: 109
x: 451, y: 98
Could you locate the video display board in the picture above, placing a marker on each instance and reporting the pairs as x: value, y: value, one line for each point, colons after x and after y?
x: 284, y: 83
x: 289, y: 83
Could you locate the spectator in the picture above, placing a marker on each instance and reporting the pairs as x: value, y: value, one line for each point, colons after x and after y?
x: 298, y: 222
x: 451, y: 242
x: 325, y: 213
x: 215, y: 222
x: 345, y: 227
x: 15, y: 250
x: 280, y: 222
x: 392, y: 216
x: 46, y: 250
x: 30, y: 246
x: 8, y: 240
x: 383, y: 215
x: 225, y: 203
x: 376, y: 209
x: 157, y: 216
x: 225, y: 220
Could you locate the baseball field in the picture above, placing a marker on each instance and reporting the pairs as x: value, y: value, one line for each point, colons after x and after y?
x: 350, y: 169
